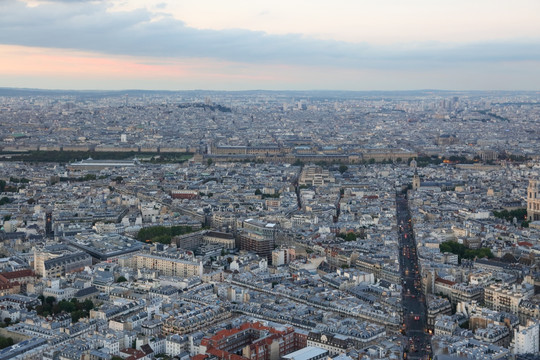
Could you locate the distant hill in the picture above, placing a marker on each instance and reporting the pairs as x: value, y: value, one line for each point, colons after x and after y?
x: 313, y: 94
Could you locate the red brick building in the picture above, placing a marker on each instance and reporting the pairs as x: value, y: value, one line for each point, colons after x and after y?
x: 184, y: 194
x: 253, y: 341
x: 17, y: 279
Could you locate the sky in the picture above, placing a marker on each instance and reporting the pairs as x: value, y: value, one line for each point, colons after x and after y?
x: 270, y: 44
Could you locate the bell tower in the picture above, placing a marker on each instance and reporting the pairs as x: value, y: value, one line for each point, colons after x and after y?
x: 533, y: 201
x: 415, y: 180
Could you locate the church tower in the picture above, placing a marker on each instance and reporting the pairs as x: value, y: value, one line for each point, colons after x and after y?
x: 533, y: 201
x: 415, y: 180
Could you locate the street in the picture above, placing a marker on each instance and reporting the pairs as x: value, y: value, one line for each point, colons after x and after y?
x: 413, y: 299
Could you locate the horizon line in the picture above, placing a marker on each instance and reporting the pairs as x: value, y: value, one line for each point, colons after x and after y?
x: 259, y: 90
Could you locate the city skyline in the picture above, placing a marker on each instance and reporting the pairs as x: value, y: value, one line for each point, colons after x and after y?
x: 257, y: 225
x: 279, y: 46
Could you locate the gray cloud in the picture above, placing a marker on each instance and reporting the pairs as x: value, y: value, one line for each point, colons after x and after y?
x: 87, y: 25
x: 66, y: 1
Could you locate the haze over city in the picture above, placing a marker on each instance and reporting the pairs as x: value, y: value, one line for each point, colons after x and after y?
x: 280, y: 45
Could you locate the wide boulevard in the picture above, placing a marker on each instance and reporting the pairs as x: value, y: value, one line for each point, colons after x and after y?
x: 413, y: 299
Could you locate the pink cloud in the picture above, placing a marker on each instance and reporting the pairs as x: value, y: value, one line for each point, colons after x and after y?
x: 43, y: 62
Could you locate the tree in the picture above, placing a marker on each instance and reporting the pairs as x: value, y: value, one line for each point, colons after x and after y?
x: 66, y: 306
x: 121, y: 279
x: 5, y: 342
x: 49, y: 300
x: 88, y: 305
x: 209, y: 161
x: 162, y: 234
x: 520, y: 214
x: 258, y: 192
x: 76, y: 315
x: 7, y: 321
x: 350, y: 237
x: 343, y: 168
x: 464, y: 252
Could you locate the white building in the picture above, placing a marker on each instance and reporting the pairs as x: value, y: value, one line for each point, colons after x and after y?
x: 503, y: 297
x: 526, y: 339
x: 283, y: 256
x: 307, y: 353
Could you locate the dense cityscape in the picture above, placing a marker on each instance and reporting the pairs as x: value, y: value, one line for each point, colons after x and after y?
x: 267, y: 225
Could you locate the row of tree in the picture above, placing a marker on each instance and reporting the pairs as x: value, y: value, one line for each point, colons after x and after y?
x: 87, y: 177
x: 70, y: 156
x: 19, y: 180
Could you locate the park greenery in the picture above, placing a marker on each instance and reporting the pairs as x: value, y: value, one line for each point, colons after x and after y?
x: 5, y: 342
x: 270, y: 196
x: 463, y: 252
x: 519, y: 214
x: 493, y: 115
x: 87, y: 177
x: 162, y: 234
x: 266, y: 196
x: 348, y: 236
x: 513, y: 158
x: 19, y: 181
x: 210, y: 107
x: 168, y: 158
x: 77, y: 309
x: 4, y: 187
x: 5, y: 200
x: 423, y: 161
x: 70, y: 156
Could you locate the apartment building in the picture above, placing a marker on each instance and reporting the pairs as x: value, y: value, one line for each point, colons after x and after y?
x: 500, y: 297
x: 168, y: 265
